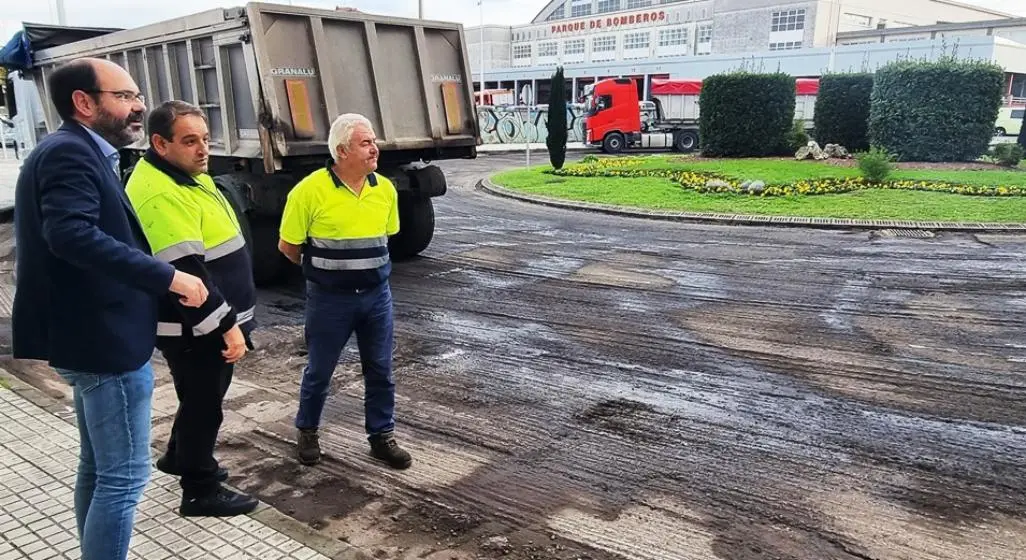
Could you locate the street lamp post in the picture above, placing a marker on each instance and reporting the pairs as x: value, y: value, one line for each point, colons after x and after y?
x: 420, y: 9
x: 480, y: 3
x: 62, y: 18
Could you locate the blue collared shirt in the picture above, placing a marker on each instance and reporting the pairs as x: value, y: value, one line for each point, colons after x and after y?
x: 108, y: 151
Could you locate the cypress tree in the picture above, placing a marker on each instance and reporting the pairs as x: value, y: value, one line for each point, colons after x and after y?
x: 1022, y: 132
x: 556, y: 139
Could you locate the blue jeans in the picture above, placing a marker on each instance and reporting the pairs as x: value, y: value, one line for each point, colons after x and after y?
x: 331, y: 318
x: 113, y: 414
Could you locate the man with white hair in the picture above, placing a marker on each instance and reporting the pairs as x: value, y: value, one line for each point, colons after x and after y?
x: 336, y: 225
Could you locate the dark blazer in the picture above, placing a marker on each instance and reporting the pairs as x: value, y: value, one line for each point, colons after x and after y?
x: 87, y: 288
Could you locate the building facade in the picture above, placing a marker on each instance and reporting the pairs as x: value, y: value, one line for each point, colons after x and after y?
x: 646, y: 39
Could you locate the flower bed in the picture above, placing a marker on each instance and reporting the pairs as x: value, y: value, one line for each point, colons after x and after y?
x: 702, y: 181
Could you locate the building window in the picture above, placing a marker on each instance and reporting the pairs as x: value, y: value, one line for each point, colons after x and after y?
x: 558, y: 13
x: 788, y: 46
x: 580, y: 8
x: 603, y: 48
x: 631, y: 4
x: 790, y: 20
x: 603, y: 44
x: 606, y: 6
x: 636, y: 40
x: 673, y: 37
x: 704, y: 37
x: 574, y: 46
x: 673, y: 42
x: 705, y: 33
x: 521, y: 52
x: 635, y: 45
x: 549, y: 48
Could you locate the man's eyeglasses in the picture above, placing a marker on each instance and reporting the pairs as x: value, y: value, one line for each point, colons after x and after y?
x: 122, y: 95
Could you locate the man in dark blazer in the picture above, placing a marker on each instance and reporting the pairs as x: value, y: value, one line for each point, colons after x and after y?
x: 87, y: 292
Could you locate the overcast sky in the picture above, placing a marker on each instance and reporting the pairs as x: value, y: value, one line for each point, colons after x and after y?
x: 131, y: 13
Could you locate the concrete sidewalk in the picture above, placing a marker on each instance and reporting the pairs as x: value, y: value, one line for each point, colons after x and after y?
x: 535, y: 147
x: 37, y: 518
x: 9, y: 169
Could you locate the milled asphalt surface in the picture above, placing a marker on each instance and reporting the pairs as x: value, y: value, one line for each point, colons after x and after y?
x: 583, y: 385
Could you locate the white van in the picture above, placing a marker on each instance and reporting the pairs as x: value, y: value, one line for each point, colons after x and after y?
x: 1009, y: 121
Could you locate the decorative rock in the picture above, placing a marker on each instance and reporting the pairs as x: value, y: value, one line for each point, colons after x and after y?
x: 756, y: 187
x: 837, y: 151
x: 717, y: 184
x: 803, y: 153
x: 817, y: 152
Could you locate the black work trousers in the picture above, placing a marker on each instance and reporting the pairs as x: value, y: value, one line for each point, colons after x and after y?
x: 201, y: 378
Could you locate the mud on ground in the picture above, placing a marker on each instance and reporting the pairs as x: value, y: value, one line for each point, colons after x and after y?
x: 581, y: 386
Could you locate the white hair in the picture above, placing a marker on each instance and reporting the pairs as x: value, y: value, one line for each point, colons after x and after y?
x: 341, y: 132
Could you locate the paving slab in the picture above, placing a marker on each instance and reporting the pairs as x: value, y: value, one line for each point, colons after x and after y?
x: 37, y: 517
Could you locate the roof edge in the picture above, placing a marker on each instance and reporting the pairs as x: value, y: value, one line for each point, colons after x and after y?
x: 983, y: 24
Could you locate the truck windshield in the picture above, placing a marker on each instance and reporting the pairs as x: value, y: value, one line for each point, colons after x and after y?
x: 600, y: 103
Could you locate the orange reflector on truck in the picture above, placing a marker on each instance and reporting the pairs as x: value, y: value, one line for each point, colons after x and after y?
x: 299, y: 107
x: 453, y: 106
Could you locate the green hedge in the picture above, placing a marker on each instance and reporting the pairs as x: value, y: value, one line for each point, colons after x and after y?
x: 745, y: 115
x: 842, y: 111
x: 936, y: 111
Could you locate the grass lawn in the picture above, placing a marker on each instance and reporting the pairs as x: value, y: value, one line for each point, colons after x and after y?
x: 664, y: 194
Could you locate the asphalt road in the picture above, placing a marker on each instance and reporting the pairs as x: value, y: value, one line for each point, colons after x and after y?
x: 585, y: 386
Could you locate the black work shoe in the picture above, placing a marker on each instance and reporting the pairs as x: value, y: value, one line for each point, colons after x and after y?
x: 308, y: 447
x: 384, y: 447
x: 167, y: 465
x: 221, y: 503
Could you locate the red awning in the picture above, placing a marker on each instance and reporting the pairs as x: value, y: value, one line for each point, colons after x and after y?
x: 807, y: 86
x: 676, y: 87
x: 803, y: 86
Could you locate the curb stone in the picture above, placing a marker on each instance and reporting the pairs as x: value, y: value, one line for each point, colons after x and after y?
x: 265, y: 514
x: 748, y: 219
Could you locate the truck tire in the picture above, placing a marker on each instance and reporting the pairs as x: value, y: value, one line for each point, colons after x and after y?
x: 613, y: 143
x: 685, y: 141
x: 416, y: 227
x: 270, y: 267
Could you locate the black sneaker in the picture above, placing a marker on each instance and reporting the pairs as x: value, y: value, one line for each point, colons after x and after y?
x: 385, y: 448
x: 221, y: 503
x: 167, y: 465
x: 308, y: 447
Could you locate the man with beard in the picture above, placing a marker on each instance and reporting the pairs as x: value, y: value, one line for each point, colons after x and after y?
x: 88, y: 289
x: 191, y: 226
x: 336, y: 224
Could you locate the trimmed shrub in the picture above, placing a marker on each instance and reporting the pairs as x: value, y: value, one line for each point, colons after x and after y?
x: 936, y: 111
x: 842, y: 111
x: 1008, y: 155
x: 798, y: 138
x: 875, y: 164
x: 745, y: 114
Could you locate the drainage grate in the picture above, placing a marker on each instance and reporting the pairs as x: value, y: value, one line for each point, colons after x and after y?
x: 915, y: 233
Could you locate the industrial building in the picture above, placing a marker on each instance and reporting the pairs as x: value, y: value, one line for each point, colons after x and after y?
x: 652, y: 39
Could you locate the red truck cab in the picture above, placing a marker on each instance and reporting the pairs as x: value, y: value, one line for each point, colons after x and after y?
x: 613, y: 120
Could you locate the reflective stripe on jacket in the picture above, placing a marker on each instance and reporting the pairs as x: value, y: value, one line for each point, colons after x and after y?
x: 191, y: 225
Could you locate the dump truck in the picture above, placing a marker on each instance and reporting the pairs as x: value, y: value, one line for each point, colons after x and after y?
x: 272, y: 78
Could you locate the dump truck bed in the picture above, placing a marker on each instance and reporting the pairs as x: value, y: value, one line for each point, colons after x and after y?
x: 272, y: 78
